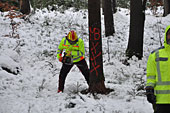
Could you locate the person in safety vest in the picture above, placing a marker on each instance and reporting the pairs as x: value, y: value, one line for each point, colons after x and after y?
x: 158, y: 77
x: 74, y: 54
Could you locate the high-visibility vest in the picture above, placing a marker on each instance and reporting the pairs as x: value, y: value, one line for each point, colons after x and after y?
x: 77, y: 50
x: 158, y: 72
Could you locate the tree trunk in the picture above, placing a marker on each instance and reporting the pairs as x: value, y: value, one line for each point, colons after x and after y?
x: 114, y: 10
x: 25, y: 6
x: 108, y: 19
x: 103, y: 2
x: 166, y: 7
x: 137, y: 18
x: 95, y: 48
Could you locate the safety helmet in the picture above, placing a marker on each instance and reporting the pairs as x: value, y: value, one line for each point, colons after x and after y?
x: 72, y: 37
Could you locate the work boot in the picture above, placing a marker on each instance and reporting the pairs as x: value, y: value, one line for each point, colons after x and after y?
x: 59, y: 91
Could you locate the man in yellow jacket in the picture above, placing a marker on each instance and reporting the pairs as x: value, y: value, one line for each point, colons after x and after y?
x: 158, y: 76
x: 74, y: 55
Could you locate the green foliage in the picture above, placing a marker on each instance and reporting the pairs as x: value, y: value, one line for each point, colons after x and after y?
x: 123, y: 3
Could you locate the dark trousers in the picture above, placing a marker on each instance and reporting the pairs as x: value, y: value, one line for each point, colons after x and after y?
x: 162, y: 108
x: 82, y: 65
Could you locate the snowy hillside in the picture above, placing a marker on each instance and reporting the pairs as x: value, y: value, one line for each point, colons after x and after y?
x: 29, y: 68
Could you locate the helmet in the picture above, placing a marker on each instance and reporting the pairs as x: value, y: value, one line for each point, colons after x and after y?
x: 72, y: 36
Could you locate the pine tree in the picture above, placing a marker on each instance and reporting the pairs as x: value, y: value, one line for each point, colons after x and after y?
x: 166, y: 7
x: 108, y: 19
x: 137, y: 18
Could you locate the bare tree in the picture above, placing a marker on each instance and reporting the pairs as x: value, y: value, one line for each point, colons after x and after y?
x: 95, y: 48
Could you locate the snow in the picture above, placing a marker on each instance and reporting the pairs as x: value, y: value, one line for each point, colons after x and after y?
x: 34, y: 88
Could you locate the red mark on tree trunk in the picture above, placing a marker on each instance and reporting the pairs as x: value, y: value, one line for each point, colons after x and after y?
x: 95, y: 53
x: 95, y: 68
x: 96, y: 33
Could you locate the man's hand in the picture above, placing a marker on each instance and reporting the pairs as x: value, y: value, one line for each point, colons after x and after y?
x: 150, y: 94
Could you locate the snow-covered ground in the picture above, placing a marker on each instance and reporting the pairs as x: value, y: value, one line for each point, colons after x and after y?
x: 31, y: 85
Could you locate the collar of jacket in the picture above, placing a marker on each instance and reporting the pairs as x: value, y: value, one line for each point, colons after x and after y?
x: 66, y: 41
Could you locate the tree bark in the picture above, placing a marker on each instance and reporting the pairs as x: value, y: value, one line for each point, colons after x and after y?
x: 114, y: 10
x: 166, y: 7
x: 95, y: 48
x: 108, y: 19
x: 25, y: 6
x: 137, y: 18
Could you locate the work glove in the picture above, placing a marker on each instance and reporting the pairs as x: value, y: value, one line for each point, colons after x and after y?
x: 150, y: 94
x: 60, y: 59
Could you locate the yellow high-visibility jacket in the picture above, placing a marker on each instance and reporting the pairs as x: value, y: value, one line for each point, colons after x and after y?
x: 77, y: 50
x: 158, y: 72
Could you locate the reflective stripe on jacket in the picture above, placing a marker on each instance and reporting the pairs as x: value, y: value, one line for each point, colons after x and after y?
x: 158, y: 72
x: 77, y: 50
